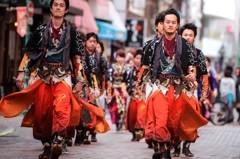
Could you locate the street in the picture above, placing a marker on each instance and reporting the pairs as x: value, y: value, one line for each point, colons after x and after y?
x: 215, y: 142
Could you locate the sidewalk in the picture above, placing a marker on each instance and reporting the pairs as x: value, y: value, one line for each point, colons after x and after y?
x: 215, y: 142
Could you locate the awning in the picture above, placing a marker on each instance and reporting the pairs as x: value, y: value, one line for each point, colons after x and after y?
x: 86, y: 21
x: 105, y: 30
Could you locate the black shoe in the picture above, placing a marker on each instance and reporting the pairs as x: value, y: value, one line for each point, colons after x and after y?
x: 79, y: 138
x: 157, y: 154
x: 94, y: 139
x: 47, y: 151
x: 177, y: 150
x: 69, y: 143
x: 86, y: 141
x: 134, y: 136
x: 64, y: 148
x: 150, y: 146
x: 186, y: 151
x: 57, y: 147
x: 165, y: 150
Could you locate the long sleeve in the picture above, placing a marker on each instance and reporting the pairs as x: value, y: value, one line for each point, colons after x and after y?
x: 205, y: 85
x: 79, y: 71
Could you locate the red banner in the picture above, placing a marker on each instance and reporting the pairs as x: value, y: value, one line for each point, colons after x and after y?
x: 22, y: 21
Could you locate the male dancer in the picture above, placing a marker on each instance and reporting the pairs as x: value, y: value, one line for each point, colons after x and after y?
x: 189, y: 32
x: 172, y: 59
x: 52, y: 50
x: 137, y: 107
x: 95, y: 66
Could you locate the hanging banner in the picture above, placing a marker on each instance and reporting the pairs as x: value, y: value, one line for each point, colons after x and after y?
x: 22, y: 21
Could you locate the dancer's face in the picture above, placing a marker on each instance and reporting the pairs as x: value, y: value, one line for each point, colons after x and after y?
x: 98, y: 48
x: 170, y: 24
x: 137, y: 60
x: 188, y: 34
x: 159, y: 27
x: 58, y: 8
x: 91, y: 44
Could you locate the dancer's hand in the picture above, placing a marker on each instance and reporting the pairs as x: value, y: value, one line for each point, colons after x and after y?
x: 77, y: 89
x: 125, y: 94
x: 31, y: 81
x: 97, y: 93
x: 20, y: 80
x: 191, y: 77
x: 204, y: 97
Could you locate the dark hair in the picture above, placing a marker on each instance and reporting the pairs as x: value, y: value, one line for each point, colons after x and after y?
x: 178, y: 30
x: 66, y: 1
x: 130, y: 59
x: 72, y: 23
x: 138, y: 52
x: 159, y: 18
x: 189, y: 26
x: 228, y: 71
x: 92, y: 34
x: 208, y: 59
x: 83, y: 36
x: 172, y: 11
x: 101, y: 44
x: 120, y: 52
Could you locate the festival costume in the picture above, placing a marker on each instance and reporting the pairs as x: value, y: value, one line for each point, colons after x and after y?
x: 55, y: 107
x: 137, y: 107
x: 171, y: 61
x: 187, y: 132
x: 117, y: 105
x: 95, y: 66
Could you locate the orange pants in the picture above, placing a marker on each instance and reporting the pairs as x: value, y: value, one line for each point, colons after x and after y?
x: 163, y: 117
x: 136, y: 115
x: 52, y: 111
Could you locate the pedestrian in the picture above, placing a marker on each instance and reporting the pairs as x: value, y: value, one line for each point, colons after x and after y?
x: 237, y: 80
x: 116, y: 101
x: 228, y: 90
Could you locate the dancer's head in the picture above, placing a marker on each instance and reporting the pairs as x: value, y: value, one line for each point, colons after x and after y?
x: 120, y: 56
x: 91, y: 42
x: 189, y: 32
x: 171, y: 21
x: 138, y: 57
x: 100, y: 47
x: 59, y: 8
x: 158, y: 23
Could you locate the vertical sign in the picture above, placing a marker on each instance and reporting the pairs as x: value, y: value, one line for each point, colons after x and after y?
x: 135, y: 32
x: 22, y: 21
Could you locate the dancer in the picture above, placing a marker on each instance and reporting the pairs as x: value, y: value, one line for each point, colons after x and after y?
x: 137, y: 107
x: 189, y: 32
x: 116, y: 101
x: 172, y: 59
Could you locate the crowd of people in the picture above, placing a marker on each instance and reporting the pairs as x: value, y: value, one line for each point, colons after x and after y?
x: 162, y: 92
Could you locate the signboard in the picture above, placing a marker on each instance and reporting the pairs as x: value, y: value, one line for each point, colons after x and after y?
x: 30, y: 9
x: 135, y: 32
x: 102, y: 9
x: 22, y: 21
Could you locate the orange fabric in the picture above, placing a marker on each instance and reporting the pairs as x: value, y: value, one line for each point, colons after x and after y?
x: 140, y: 77
x: 205, y: 84
x: 191, y: 120
x: 103, y: 83
x: 141, y: 110
x: 195, y: 70
x: 131, y: 117
x: 32, y: 74
x: 163, y: 121
x: 24, y: 59
x: 123, y: 87
x: 95, y: 81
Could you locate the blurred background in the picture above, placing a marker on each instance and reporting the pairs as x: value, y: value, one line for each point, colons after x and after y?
x: 120, y: 24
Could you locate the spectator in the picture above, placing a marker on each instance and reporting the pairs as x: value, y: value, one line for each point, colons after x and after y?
x: 130, y: 62
x: 228, y: 90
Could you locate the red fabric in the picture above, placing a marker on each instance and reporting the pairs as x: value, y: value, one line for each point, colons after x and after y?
x: 55, y: 31
x: 52, y: 111
x: 94, y: 117
x: 169, y: 46
x: 141, y: 110
x: 131, y: 116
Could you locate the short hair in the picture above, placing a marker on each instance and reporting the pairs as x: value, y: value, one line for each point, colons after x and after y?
x: 189, y: 26
x: 92, y: 34
x: 228, y: 71
x: 101, y: 45
x: 138, y: 52
x: 72, y: 23
x: 66, y: 1
x: 159, y: 18
x: 172, y: 11
x: 83, y: 36
x: 208, y: 59
x: 121, y: 53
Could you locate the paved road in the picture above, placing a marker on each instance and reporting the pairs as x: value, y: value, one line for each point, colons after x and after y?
x: 215, y: 142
